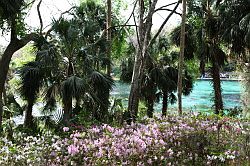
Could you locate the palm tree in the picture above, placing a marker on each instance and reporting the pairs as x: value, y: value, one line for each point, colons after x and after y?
x: 205, y: 23
x: 101, y: 85
x: 163, y: 79
x: 81, y: 48
x: 31, y: 80
x: 234, y: 25
x: 214, y: 54
x: 72, y: 88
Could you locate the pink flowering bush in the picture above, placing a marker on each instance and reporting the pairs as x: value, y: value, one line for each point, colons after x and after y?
x: 174, y: 140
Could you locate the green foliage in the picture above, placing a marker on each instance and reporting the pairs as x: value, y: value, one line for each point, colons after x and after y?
x: 26, y: 54
x: 234, y: 18
x: 13, y: 13
x: 190, y: 46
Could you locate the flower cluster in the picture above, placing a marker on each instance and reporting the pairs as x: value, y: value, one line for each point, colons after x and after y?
x: 174, y: 140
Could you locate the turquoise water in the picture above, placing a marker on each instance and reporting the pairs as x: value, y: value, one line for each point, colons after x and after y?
x: 199, y: 99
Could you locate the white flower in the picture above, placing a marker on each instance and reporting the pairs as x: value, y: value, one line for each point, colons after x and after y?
x: 65, y: 129
x: 221, y: 158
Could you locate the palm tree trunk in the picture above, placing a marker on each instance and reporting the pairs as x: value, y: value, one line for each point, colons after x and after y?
x: 67, y: 111
x: 217, y: 87
x: 28, y: 121
x: 164, y: 104
x: 150, y: 105
x: 181, y: 60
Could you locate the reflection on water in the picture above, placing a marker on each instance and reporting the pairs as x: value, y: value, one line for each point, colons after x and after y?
x: 200, y: 98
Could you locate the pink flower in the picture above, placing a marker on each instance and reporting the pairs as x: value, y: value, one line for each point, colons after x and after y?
x: 65, y: 129
x: 72, y: 149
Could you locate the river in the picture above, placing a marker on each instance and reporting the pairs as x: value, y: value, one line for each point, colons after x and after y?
x: 199, y: 99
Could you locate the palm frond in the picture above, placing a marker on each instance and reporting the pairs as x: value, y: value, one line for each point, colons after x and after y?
x: 188, y: 84
x: 101, y: 81
x: 31, y: 79
x: 73, y: 87
x: 189, y: 40
x: 50, y: 97
x: 172, y: 98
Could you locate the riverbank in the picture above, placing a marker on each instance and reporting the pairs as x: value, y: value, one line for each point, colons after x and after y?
x: 222, y: 79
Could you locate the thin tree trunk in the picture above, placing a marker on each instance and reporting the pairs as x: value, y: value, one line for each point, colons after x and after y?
x: 134, y: 91
x: 28, y: 121
x: 109, y: 36
x: 181, y: 59
x: 164, y: 104
x: 217, y: 87
x: 143, y: 36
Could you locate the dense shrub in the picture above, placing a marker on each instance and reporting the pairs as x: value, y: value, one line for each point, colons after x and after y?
x: 174, y: 140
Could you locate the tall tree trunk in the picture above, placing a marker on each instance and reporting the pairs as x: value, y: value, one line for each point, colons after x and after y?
x: 181, y: 59
x: 109, y: 36
x: 143, y: 35
x: 28, y: 120
x: 164, y: 104
x: 217, y: 86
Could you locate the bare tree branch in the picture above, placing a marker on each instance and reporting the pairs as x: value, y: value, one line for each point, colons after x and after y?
x: 162, y: 7
x: 137, y: 33
x: 131, y: 12
x: 162, y: 25
x: 24, y: 7
x: 40, y: 17
x: 175, y: 12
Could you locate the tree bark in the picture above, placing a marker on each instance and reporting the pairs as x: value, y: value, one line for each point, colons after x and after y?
x: 181, y: 59
x: 217, y: 86
x: 164, y: 104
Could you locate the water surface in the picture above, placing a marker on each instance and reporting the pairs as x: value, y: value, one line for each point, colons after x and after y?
x: 199, y: 99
